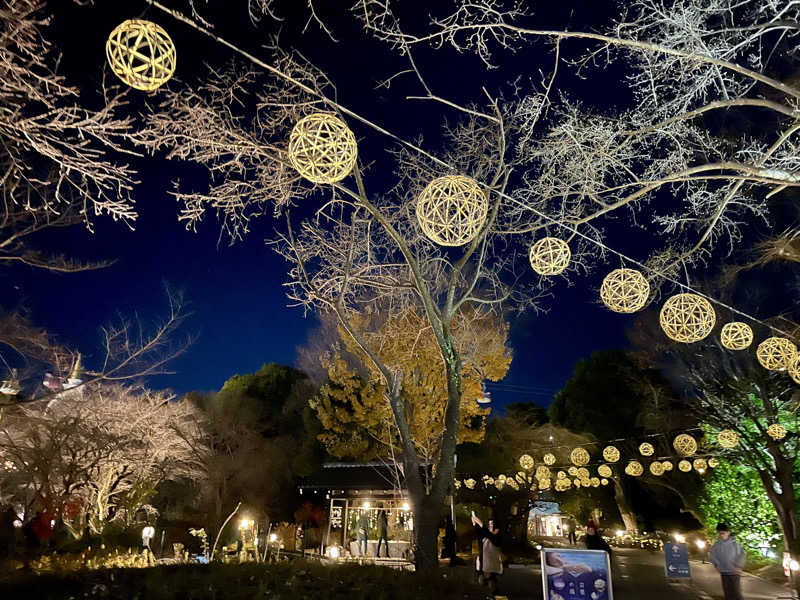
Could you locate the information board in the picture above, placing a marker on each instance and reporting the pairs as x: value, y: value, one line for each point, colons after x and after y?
x: 569, y: 574
x: 676, y: 557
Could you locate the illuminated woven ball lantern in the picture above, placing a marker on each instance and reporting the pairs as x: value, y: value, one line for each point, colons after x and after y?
x: 561, y: 475
x: 604, y: 471
x: 141, y: 54
x: 727, y: 438
x: 700, y: 465
x: 322, y: 148
x: 736, y: 335
x: 657, y: 468
x: 550, y: 256
x: 470, y: 483
x: 526, y: 461
x: 579, y: 456
x: 794, y: 370
x: 452, y: 209
x: 544, y: 484
x: 776, y: 431
x: 576, y: 483
x: 542, y: 472
x: 646, y: 449
x: 684, y: 466
x: 549, y: 459
x: 684, y: 444
x: 713, y: 463
x: 583, y: 473
x: 604, y: 481
x: 457, y: 484
x: 611, y: 454
x: 595, y: 481
x: 687, y: 318
x: 625, y: 290
x: 776, y: 353
x: 573, y: 471
x: 667, y: 465
x: 634, y: 468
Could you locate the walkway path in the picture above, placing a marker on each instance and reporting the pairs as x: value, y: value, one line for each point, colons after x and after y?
x: 639, y: 575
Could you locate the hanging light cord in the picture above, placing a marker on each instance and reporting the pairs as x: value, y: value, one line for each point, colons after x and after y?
x: 254, y: 59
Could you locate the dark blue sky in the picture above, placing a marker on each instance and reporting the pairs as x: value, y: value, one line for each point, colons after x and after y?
x: 234, y: 292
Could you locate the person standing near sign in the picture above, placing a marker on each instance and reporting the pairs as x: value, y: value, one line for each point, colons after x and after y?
x: 593, y: 540
x: 728, y: 558
x: 489, y: 564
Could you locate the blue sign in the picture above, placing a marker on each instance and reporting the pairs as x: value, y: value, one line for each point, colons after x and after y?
x: 571, y: 574
x: 677, y: 560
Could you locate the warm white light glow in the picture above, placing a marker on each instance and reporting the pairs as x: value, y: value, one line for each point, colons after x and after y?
x: 794, y: 565
x: 678, y: 538
x: 367, y: 505
x: 700, y: 544
x: 334, y: 551
x: 273, y: 537
x: 406, y: 506
x: 620, y: 533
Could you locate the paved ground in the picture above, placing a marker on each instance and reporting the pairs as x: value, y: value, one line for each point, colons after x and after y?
x: 639, y: 574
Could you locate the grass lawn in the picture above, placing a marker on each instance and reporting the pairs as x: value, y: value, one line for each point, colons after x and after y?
x: 294, y: 580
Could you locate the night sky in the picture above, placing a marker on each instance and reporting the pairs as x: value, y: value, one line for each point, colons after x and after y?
x: 235, y: 293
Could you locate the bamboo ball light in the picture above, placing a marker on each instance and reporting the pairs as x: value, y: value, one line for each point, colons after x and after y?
x: 583, y: 473
x: 657, y: 468
x: 736, y: 335
x: 561, y: 475
x: 577, y: 483
x: 141, y: 54
x: 776, y: 431
x: 573, y: 471
x: 713, y: 462
x: 542, y: 472
x: 451, y: 210
x: 470, y: 483
x: 549, y: 459
x: 667, y: 465
x: 700, y: 464
x: 685, y: 466
x: 646, y: 449
x: 579, y: 456
x: 685, y: 444
x: 526, y: 461
x: 611, y: 454
x: 604, y: 471
x: 794, y: 370
x: 634, y: 468
x: 550, y: 256
x: 322, y: 148
x: 625, y: 290
x: 604, y: 481
x: 687, y: 318
x: 776, y: 353
x: 595, y: 481
x: 544, y: 484
x: 727, y: 438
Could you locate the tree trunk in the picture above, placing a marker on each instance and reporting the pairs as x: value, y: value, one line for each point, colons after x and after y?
x: 624, y: 507
x: 426, y: 533
x: 784, y: 504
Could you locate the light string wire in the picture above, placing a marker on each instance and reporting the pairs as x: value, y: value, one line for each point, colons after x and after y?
x: 254, y: 59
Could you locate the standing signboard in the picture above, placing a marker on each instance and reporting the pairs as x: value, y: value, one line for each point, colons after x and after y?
x: 676, y: 557
x: 569, y: 574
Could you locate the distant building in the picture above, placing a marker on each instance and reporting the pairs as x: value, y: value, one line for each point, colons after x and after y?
x: 546, y: 520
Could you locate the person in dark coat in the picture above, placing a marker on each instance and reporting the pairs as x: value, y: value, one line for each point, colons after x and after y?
x: 8, y: 533
x: 383, y: 533
x: 593, y: 540
x: 362, y: 533
x: 449, y: 541
x: 490, y: 563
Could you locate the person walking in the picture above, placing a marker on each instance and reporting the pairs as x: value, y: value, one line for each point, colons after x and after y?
x: 728, y: 558
x: 489, y: 564
x: 573, y: 536
x: 593, y: 540
x: 363, y: 532
x: 383, y: 533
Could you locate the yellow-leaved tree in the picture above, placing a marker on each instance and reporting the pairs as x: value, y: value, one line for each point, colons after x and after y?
x: 352, y: 407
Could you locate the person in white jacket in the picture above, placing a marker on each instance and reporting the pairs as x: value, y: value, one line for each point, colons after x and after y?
x: 728, y: 558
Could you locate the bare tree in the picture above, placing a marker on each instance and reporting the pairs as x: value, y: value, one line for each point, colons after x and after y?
x: 547, y: 164
x: 103, y: 448
x: 56, y: 165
